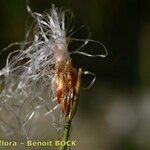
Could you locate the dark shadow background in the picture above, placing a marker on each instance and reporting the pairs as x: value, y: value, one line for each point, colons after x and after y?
x: 116, y: 110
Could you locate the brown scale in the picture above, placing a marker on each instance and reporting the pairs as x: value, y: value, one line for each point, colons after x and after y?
x: 66, y: 78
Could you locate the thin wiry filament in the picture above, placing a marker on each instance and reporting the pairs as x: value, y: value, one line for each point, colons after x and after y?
x: 28, y: 80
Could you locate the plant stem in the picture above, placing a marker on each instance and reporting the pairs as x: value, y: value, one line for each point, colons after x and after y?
x: 66, y: 133
x: 69, y: 118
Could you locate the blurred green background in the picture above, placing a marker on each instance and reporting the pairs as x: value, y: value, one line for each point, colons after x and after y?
x: 115, y: 113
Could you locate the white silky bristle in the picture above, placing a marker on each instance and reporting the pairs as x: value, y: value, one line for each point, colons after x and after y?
x: 27, y: 77
x: 27, y: 80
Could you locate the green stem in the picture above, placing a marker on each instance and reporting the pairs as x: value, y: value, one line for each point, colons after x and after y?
x: 66, y: 133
